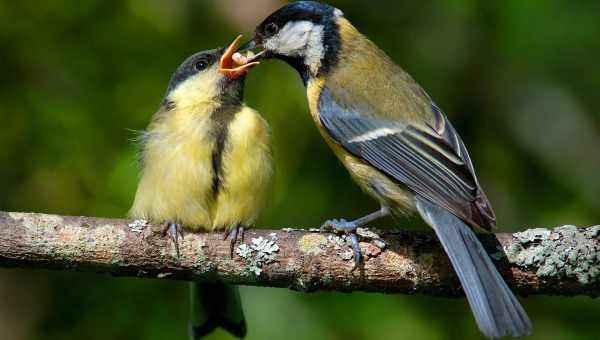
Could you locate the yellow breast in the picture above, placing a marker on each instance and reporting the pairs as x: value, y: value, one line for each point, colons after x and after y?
x: 176, y: 177
x: 176, y: 182
x: 247, y: 170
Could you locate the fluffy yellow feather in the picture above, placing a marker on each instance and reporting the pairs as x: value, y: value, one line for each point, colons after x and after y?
x: 178, y: 175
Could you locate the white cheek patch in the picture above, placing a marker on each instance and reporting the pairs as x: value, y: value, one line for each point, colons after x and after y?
x: 300, y: 38
x: 291, y: 39
x: 315, y: 51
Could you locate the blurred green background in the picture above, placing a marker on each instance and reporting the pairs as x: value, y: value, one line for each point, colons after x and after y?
x: 519, y: 79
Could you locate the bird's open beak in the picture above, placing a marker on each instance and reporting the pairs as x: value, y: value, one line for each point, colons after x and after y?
x: 235, y: 67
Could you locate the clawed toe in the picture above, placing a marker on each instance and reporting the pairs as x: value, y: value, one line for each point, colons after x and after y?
x: 349, y: 228
x: 339, y: 225
x: 235, y: 233
x: 356, y: 250
x: 174, y: 230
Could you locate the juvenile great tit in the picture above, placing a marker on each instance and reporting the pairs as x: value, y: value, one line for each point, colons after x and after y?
x: 396, y: 143
x: 206, y: 165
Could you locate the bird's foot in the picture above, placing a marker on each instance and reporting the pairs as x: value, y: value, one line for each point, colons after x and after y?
x: 349, y: 228
x: 339, y: 225
x: 174, y: 230
x: 235, y: 232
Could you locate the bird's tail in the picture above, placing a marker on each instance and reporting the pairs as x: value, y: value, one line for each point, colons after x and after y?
x: 215, y: 305
x: 497, y: 311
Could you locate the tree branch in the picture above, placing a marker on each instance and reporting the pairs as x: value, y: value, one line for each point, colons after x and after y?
x: 563, y: 261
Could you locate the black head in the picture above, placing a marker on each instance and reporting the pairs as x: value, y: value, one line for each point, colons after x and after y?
x: 304, y: 34
x: 197, y: 65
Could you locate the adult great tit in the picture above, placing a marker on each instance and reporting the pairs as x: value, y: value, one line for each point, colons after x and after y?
x: 397, y: 145
x: 206, y: 165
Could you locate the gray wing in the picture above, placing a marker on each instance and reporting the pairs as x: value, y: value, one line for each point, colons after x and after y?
x: 432, y: 161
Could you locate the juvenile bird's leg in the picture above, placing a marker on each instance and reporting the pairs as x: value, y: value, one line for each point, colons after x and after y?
x: 174, y: 231
x: 349, y: 227
x: 234, y: 232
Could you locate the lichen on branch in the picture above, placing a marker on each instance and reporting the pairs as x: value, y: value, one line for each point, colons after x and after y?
x: 563, y: 252
x: 560, y: 261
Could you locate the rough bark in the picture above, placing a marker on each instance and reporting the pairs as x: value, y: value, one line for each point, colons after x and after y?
x: 562, y: 261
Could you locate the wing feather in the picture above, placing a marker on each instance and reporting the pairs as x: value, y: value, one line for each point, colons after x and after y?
x: 431, y: 160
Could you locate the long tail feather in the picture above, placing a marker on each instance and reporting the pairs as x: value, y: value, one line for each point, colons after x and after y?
x: 215, y: 305
x: 496, y: 309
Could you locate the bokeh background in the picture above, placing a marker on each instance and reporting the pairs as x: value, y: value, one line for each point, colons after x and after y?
x: 519, y: 79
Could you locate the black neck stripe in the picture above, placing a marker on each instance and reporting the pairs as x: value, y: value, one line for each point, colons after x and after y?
x: 332, y: 44
x: 222, y: 118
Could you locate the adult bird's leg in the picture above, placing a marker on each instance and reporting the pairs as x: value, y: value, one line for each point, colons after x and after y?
x: 349, y: 227
x: 235, y: 232
x: 174, y: 230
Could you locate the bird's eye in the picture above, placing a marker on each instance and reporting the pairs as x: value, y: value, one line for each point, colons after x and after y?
x: 201, y: 65
x: 271, y: 28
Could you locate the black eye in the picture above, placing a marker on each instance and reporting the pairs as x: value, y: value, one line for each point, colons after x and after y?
x: 201, y: 65
x: 271, y: 28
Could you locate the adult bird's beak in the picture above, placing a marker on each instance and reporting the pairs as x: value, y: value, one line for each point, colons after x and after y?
x: 248, y: 52
x: 249, y: 45
x: 235, y: 67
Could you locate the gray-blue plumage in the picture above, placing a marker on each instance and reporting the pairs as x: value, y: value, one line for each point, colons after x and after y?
x: 433, y: 164
x: 496, y: 309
